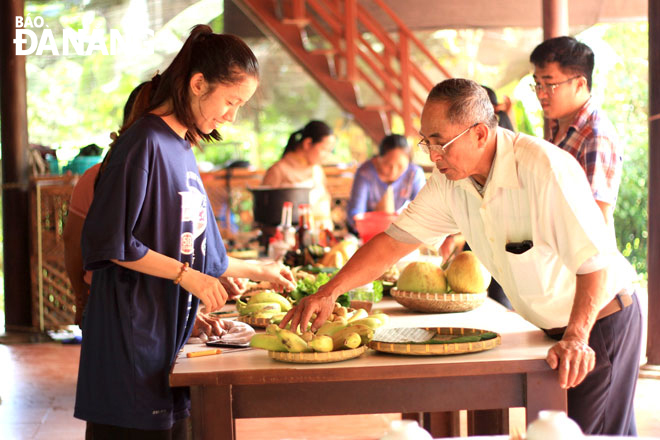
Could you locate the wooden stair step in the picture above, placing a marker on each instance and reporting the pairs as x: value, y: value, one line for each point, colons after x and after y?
x: 378, y: 108
x: 324, y: 52
x: 299, y: 22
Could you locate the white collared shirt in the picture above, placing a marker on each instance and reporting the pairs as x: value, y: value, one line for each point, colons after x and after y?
x: 536, y: 192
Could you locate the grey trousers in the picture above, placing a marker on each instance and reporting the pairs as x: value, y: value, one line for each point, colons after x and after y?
x: 603, y: 403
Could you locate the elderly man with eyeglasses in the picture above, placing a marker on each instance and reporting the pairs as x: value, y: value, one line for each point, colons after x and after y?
x: 563, y: 68
x: 526, y: 209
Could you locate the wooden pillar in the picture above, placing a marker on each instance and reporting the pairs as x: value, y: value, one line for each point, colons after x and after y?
x: 555, y: 24
x: 555, y: 18
x: 15, y: 219
x: 653, y: 255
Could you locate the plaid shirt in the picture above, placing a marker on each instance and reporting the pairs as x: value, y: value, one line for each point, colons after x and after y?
x: 592, y: 140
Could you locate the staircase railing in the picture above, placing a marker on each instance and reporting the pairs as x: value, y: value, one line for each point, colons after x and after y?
x: 359, y: 49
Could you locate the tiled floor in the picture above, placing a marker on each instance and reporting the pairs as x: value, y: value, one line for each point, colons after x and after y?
x: 37, y: 388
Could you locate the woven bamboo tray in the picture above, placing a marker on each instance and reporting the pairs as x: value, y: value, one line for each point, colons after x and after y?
x: 440, y: 349
x: 317, y: 358
x: 438, y: 302
x: 255, y: 322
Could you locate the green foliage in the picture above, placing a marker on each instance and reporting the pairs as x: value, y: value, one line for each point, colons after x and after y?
x: 522, y: 120
x: 626, y: 104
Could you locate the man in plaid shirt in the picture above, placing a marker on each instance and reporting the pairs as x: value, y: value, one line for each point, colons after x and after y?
x: 563, y: 68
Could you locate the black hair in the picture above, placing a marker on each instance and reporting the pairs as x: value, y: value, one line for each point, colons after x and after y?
x: 468, y: 102
x: 315, y: 130
x: 573, y: 56
x: 130, y: 102
x: 393, y: 142
x: 503, y: 119
x: 221, y: 58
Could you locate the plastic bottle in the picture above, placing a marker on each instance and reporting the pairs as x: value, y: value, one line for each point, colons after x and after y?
x: 288, y: 231
x: 277, y: 248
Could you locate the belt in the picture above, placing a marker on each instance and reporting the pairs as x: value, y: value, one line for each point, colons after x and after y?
x: 622, y: 300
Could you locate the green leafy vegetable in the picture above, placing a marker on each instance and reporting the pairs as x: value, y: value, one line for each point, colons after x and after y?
x: 309, y: 286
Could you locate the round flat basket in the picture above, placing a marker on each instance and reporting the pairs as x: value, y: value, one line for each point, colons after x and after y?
x: 317, y: 358
x: 255, y: 322
x: 446, y: 347
x: 438, y: 302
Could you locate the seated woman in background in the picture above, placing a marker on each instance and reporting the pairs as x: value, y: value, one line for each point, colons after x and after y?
x: 391, y: 171
x: 504, y: 110
x: 300, y: 165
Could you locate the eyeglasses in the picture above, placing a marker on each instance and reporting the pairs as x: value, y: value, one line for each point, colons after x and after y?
x: 427, y: 148
x: 549, y: 88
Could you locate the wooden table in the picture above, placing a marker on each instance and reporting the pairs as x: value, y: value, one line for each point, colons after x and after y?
x: 249, y: 384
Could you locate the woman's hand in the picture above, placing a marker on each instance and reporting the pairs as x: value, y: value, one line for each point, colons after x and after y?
x: 235, y: 287
x: 280, y: 275
x: 208, y: 289
x: 210, y: 325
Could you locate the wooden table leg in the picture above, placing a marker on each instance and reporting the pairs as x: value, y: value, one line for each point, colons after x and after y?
x: 543, y: 392
x: 488, y: 422
x: 211, y: 413
x: 442, y: 424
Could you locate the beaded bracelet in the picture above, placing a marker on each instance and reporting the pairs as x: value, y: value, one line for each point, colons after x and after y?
x: 184, y: 269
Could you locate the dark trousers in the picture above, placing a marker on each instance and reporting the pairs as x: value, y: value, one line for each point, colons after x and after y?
x: 179, y: 431
x: 603, y: 403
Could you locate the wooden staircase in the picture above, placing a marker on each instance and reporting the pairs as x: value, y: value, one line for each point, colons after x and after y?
x: 373, y: 76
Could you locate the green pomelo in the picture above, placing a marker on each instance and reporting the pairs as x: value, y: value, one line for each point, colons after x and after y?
x: 422, y: 276
x: 466, y: 274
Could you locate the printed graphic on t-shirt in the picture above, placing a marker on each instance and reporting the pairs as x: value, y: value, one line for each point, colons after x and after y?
x: 193, y: 210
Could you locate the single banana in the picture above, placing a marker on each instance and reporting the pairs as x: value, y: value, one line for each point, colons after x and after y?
x: 270, y: 296
x: 348, y: 248
x: 372, y: 323
x: 365, y: 332
x: 341, y: 340
x: 272, y: 329
x: 321, y: 343
x: 339, y: 259
x: 252, y: 309
x: 293, y: 342
x: 267, y: 342
x: 358, y: 314
x: 267, y: 314
x: 277, y: 318
x: 382, y: 317
x: 330, y: 327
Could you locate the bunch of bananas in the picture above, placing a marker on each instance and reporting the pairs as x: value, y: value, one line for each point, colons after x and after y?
x: 342, y: 333
x: 265, y: 304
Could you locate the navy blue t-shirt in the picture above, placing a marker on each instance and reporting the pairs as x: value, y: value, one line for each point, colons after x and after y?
x: 150, y: 196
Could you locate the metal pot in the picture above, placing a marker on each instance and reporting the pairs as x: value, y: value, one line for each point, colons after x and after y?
x: 267, y: 203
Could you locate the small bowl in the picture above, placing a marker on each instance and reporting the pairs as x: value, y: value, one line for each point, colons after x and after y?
x: 370, y: 224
